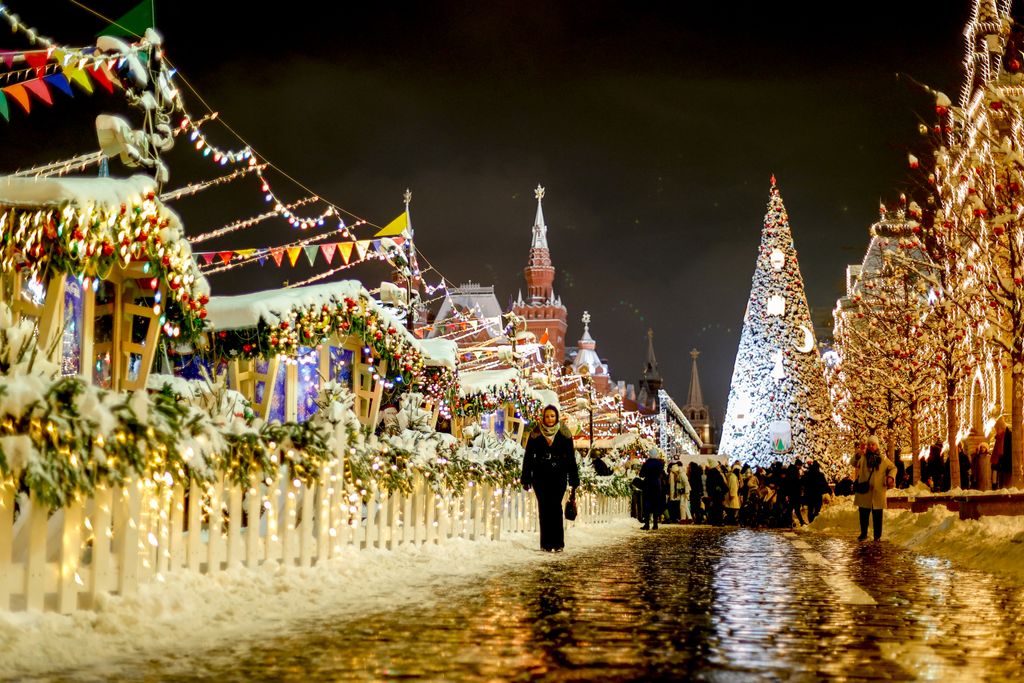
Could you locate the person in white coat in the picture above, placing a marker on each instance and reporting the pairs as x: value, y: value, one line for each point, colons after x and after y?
x: 732, y: 497
x: 873, y: 474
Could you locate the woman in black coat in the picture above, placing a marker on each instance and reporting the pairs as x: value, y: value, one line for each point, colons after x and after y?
x: 548, y: 465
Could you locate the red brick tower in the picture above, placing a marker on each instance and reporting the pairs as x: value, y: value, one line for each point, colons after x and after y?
x: 542, y: 310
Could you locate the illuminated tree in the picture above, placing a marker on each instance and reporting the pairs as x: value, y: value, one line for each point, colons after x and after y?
x: 778, y: 405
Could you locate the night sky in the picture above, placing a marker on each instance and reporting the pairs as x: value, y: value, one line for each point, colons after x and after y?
x: 654, y: 128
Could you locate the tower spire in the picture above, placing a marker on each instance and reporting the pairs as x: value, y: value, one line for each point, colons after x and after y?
x: 651, y: 365
x: 696, y: 397
x: 540, y: 229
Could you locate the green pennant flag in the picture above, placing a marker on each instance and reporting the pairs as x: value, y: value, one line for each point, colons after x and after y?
x: 133, y: 23
x: 3, y: 107
x: 311, y: 253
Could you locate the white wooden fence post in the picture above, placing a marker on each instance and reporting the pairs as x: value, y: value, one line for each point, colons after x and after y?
x: 127, y: 512
x: 307, y: 524
x: 215, y: 536
x: 70, y: 552
x: 100, y: 575
x: 253, y: 508
x: 234, y: 525
x: 195, y: 499
x: 35, y: 570
x: 6, y: 543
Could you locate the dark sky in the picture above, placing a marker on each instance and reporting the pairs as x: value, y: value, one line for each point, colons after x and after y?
x: 654, y: 127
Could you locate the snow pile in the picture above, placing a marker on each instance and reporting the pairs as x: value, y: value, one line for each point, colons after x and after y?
x: 192, y: 612
x: 993, y: 543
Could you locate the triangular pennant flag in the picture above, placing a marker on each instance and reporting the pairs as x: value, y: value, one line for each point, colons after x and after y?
x: 3, y: 108
x: 278, y: 254
x: 132, y: 23
x: 208, y: 256
x: 293, y: 254
x: 311, y: 253
x: 80, y: 77
x: 262, y: 260
x: 395, y: 227
x: 60, y: 56
x: 60, y: 81
x: 37, y: 60
x: 346, y: 250
x: 225, y: 256
x: 20, y: 95
x: 399, y: 241
x: 8, y: 57
x: 39, y: 89
x: 111, y: 76
x: 100, y: 76
x: 328, y: 251
x: 245, y: 253
x: 361, y: 247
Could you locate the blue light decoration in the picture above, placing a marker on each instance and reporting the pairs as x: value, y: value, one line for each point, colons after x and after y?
x: 341, y: 365
x: 307, y: 386
x: 71, y: 341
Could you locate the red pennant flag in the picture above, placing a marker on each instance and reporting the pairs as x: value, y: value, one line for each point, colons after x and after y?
x: 346, y: 250
x: 328, y: 251
x: 20, y: 95
x: 278, y: 254
x: 544, y: 337
x: 8, y: 57
x: 225, y: 256
x: 208, y: 256
x: 39, y: 89
x: 37, y: 60
x: 100, y: 76
x: 399, y: 241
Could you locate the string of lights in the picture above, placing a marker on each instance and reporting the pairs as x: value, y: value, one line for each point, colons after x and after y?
x: 77, y: 163
x: 370, y: 255
x: 244, y: 223
x: 195, y: 188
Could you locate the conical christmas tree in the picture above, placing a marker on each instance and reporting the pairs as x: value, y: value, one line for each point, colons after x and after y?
x: 779, y: 407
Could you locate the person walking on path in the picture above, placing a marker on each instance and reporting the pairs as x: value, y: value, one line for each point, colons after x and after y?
x: 815, y: 487
x: 651, y: 474
x: 732, y: 496
x: 549, y: 464
x: 695, y: 476
x: 873, y: 474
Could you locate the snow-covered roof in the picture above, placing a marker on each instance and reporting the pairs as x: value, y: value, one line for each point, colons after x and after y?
x: 247, y: 310
x: 15, y: 191
x: 439, y: 352
x: 482, y: 380
x: 479, y: 300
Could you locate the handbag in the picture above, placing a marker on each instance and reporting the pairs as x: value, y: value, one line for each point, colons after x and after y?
x: 861, y: 486
x: 570, y: 509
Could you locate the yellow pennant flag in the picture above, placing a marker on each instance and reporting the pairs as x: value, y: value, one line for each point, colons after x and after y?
x: 346, y: 250
x: 293, y: 254
x: 79, y: 76
x: 395, y: 227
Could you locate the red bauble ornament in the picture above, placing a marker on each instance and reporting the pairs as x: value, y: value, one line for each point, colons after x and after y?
x: 202, y: 314
x: 108, y: 248
x: 997, y: 105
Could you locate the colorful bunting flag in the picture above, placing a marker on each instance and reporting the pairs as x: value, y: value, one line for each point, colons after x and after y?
x: 262, y: 260
x: 38, y: 88
x: 328, y: 251
x: 79, y: 76
x: 225, y: 256
x: 278, y: 254
x: 100, y: 76
x: 60, y: 81
x: 346, y: 250
x: 293, y: 254
x: 311, y: 253
x: 395, y: 227
x: 133, y: 23
x: 20, y: 95
x: 3, y: 108
x: 37, y: 60
x: 361, y: 247
x: 245, y: 253
x: 8, y: 57
x: 208, y: 256
x: 399, y: 241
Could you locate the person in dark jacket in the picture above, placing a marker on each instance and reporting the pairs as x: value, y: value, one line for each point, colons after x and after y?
x: 549, y: 464
x: 652, y: 473
x: 696, y: 477
x: 815, y: 487
x: 715, y: 490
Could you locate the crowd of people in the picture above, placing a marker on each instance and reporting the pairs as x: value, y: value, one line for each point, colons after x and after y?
x: 720, y: 494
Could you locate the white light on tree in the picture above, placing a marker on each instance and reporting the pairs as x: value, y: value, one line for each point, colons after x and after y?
x: 776, y: 305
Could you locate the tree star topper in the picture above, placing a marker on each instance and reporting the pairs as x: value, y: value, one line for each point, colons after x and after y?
x: 539, y: 192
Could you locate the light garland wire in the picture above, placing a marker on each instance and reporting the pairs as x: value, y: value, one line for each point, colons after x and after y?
x: 77, y: 163
x: 247, y: 222
x: 196, y: 188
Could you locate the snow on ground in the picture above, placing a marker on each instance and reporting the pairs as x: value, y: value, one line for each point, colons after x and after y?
x: 190, y: 612
x: 994, y: 543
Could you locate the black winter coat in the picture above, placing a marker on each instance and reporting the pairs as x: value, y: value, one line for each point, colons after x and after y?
x: 549, y: 467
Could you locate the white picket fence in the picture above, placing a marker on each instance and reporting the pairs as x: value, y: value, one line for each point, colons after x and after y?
x: 121, y: 538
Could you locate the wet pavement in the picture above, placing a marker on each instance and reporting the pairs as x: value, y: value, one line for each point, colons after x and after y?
x: 693, y: 603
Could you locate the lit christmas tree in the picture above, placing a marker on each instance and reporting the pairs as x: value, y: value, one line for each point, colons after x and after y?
x: 779, y: 406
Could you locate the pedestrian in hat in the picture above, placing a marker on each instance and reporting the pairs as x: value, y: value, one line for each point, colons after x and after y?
x: 549, y: 464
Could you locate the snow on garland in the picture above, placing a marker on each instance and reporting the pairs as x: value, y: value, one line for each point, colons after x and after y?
x: 497, y: 389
